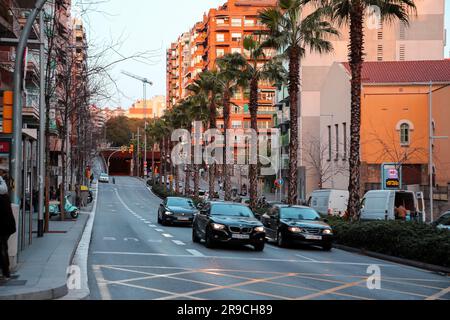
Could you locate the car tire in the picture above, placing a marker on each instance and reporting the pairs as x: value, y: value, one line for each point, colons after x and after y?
x: 327, y: 247
x: 281, y: 241
x: 159, y: 219
x: 209, y: 242
x: 259, y: 247
x: 195, y: 237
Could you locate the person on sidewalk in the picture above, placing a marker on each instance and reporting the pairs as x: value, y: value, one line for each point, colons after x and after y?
x: 7, y: 228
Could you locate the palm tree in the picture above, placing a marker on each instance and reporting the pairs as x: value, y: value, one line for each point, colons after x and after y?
x: 230, y: 78
x: 259, y: 68
x: 289, y: 32
x: 207, y: 85
x: 352, y: 13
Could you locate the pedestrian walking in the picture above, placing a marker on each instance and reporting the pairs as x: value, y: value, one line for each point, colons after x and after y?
x: 7, y: 228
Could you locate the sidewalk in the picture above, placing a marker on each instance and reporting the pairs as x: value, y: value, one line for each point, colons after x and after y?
x: 42, y: 268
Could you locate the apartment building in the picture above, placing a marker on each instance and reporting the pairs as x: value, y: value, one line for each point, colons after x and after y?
x: 221, y: 31
x: 423, y: 39
x: 154, y: 108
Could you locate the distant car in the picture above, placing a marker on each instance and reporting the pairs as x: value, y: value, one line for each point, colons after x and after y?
x: 228, y: 222
x: 329, y: 201
x: 176, y: 210
x: 104, y: 178
x: 443, y: 222
x: 203, y: 194
x: 289, y: 224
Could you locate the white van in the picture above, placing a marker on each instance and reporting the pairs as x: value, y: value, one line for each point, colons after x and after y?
x: 381, y: 204
x: 329, y: 201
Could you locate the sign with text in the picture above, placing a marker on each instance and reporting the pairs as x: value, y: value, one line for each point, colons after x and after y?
x: 4, y: 146
x: 391, y: 176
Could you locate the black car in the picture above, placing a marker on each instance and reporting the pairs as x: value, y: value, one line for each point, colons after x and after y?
x: 176, y: 210
x: 228, y: 222
x: 288, y: 224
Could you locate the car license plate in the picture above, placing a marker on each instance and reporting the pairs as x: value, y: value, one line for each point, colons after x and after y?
x: 183, y: 218
x: 241, y: 236
x: 311, y: 237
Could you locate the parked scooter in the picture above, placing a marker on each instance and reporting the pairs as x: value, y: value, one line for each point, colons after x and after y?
x: 68, y: 208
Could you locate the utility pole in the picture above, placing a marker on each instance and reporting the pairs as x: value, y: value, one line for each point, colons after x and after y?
x: 138, y: 154
x: 42, y: 121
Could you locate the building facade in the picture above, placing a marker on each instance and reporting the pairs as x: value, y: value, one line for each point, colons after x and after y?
x: 395, y: 122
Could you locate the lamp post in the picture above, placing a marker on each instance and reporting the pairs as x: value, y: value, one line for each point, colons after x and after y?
x: 320, y: 147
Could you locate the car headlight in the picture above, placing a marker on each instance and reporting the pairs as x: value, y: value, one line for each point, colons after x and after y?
x: 295, y: 229
x: 168, y: 213
x: 327, y: 231
x: 217, y: 226
x: 259, y: 229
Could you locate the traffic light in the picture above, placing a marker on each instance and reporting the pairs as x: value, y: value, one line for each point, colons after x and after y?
x: 7, y: 112
x: 131, y: 148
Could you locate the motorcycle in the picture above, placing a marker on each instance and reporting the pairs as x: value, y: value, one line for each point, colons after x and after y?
x: 68, y: 208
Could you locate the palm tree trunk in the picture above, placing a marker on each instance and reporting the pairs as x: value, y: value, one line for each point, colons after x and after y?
x: 163, y: 164
x: 226, y: 166
x: 253, y: 174
x: 196, y: 180
x: 356, y: 59
x: 294, y: 84
x: 212, y: 166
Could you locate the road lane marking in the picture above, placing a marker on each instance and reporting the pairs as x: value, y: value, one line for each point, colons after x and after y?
x: 242, y: 258
x: 195, y: 253
x: 159, y: 230
x: 123, y: 203
x: 332, y: 290
x: 439, y: 294
x: 101, y: 283
x: 152, y: 226
x: 167, y: 235
x: 178, y: 242
x: 304, y: 257
x: 131, y: 239
x: 109, y: 239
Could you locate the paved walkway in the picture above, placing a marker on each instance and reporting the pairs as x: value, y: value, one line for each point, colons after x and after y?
x: 41, y: 273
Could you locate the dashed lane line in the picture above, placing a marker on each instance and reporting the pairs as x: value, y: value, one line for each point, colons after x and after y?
x: 167, y: 235
x: 195, y: 253
x: 178, y: 242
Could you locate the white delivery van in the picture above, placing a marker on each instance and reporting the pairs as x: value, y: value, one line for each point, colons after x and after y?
x: 329, y: 201
x: 381, y: 204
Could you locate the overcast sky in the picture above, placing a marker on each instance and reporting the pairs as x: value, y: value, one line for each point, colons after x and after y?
x: 151, y: 25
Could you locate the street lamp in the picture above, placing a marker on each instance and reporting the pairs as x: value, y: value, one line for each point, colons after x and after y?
x: 320, y: 147
x: 144, y: 81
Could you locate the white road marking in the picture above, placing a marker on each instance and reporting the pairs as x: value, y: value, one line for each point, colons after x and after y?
x: 131, y: 239
x: 200, y: 255
x: 102, y: 283
x: 167, y: 235
x: 304, y: 257
x: 195, y: 253
x: 159, y: 230
x: 123, y: 203
x: 109, y: 239
x: 178, y: 242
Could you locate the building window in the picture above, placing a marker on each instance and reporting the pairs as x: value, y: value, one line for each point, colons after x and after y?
x: 236, y: 37
x: 220, y: 52
x: 405, y: 134
x: 220, y: 37
x: 329, y: 143
x: 344, y: 130
x: 249, y: 22
x: 236, y: 50
x: 236, y: 22
x: 337, y: 142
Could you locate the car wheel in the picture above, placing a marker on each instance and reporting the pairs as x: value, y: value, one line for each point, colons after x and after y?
x: 209, y: 242
x: 327, y: 247
x: 259, y: 246
x: 195, y: 237
x: 281, y: 241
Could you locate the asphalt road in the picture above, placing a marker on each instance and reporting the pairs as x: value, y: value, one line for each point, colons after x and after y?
x: 132, y: 257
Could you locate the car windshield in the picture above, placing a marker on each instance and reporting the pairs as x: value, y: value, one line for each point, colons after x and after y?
x: 299, y: 214
x: 103, y: 175
x: 180, y: 202
x: 233, y: 210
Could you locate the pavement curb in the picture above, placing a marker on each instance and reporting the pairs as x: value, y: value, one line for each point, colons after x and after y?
x: 411, y: 263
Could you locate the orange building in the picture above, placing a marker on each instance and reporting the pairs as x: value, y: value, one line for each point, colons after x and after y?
x: 395, y: 121
x: 220, y: 32
x: 154, y: 108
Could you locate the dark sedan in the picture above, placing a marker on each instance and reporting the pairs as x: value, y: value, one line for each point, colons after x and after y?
x: 176, y: 210
x: 288, y: 224
x: 226, y: 222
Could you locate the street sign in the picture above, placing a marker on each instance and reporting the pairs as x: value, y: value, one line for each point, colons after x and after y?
x: 391, y: 176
